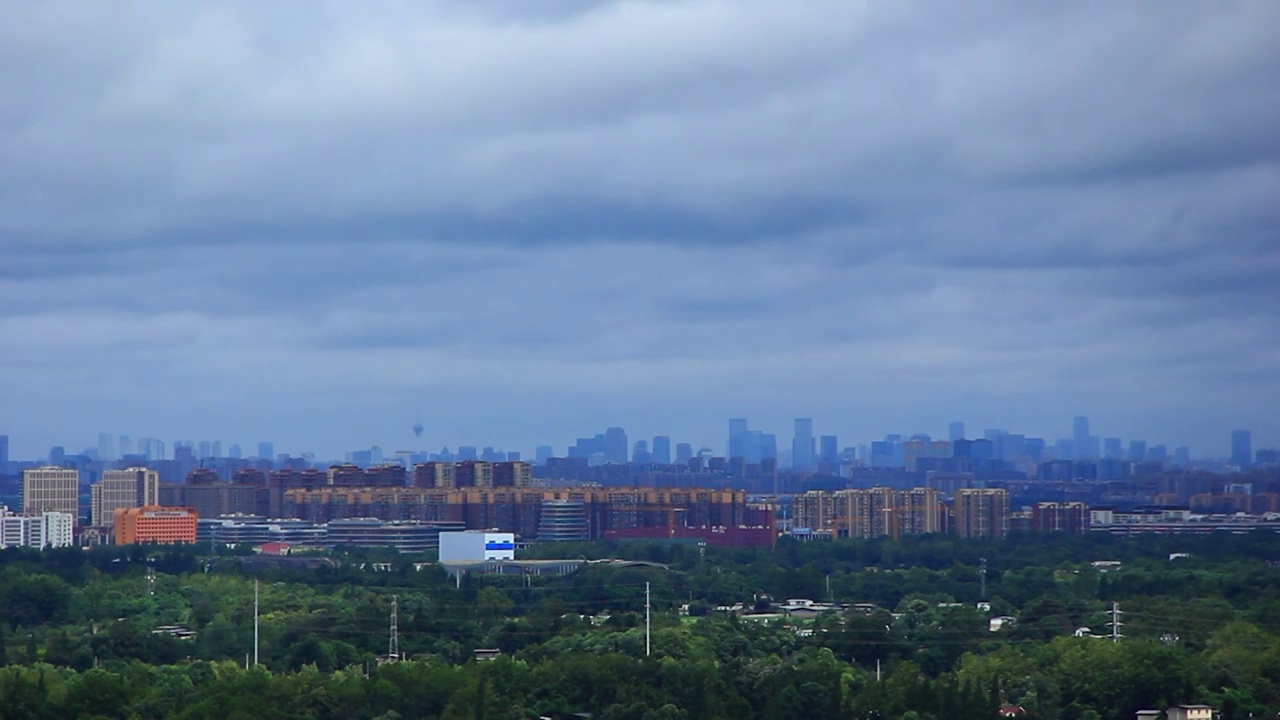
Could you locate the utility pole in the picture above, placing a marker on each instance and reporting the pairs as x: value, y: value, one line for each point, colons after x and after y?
x: 647, y: 626
x: 1115, y: 622
x: 393, y: 644
x: 830, y: 598
x: 255, y: 623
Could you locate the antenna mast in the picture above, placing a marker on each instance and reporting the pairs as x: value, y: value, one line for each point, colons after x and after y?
x: 1115, y: 622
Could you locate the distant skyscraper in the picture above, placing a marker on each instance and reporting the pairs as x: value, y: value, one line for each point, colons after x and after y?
x: 57, y: 455
x: 802, y: 445
x: 1080, y: 435
x: 215, y: 449
x: 993, y: 433
x: 1241, y: 448
x: 752, y: 449
x: 829, y: 453
x: 1113, y: 448
x: 768, y: 447
x: 662, y: 450
x: 684, y: 453
x: 4, y: 452
x: 206, y: 449
x: 543, y: 453
x: 266, y: 451
x: 1182, y: 455
x: 737, y: 438
x: 1137, y: 450
x: 126, y: 445
x: 235, y: 452
x: 468, y: 453
x: 955, y: 430
x: 640, y: 453
x: 615, y: 446
x: 106, y: 447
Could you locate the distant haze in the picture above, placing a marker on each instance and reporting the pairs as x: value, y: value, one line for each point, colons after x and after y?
x: 299, y: 221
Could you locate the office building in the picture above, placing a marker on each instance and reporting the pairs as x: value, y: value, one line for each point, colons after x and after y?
x: 640, y: 453
x: 684, y: 453
x: 154, y: 524
x: 106, y: 447
x: 45, y: 530
x: 615, y: 446
x: 981, y: 512
x: 51, y: 489
x: 563, y: 521
x: 802, y: 445
x: 829, y: 453
x: 543, y: 453
x: 1080, y: 436
x: 266, y: 451
x: 955, y: 430
x: 1113, y: 448
x: 118, y: 489
x: 737, y: 438
x: 662, y: 450
x: 1241, y: 448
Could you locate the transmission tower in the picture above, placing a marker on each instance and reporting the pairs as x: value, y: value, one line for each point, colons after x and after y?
x: 393, y: 642
x: 1115, y: 622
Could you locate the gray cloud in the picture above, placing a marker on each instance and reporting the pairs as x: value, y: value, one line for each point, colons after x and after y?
x: 536, y: 219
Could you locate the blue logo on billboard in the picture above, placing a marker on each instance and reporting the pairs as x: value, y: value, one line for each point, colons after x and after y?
x: 499, y: 546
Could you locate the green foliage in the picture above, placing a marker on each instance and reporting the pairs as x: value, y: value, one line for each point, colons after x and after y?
x: 80, y: 633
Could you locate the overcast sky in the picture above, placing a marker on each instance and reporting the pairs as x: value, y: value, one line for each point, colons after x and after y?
x: 297, y: 221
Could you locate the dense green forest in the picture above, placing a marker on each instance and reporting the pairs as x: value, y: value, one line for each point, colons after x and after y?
x: 1201, y: 624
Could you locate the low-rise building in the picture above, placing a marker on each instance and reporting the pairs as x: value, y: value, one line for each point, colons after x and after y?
x: 154, y: 523
x: 40, y: 531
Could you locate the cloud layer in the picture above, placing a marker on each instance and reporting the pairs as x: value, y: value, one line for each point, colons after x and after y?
x: 297, y: 221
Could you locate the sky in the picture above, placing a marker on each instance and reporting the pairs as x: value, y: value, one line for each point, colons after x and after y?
x: 308, y: 222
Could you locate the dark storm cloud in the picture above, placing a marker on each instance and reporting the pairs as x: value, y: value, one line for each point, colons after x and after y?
x: 836, y: 209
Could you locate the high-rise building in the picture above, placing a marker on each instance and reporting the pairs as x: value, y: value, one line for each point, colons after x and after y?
x: 640, y: 453
x: 981, y: 512
x: 768, y: 447
x: 737, y: 438
x: 662, y: 450
x: 131, y: 488
x: 266, y: 451
x: 1241, y: 448
x: 126, y: 445
x: 1182, y: 455
x: 874, y: 512
x: 205, y: 449
x: 235, y: 452
x: 51, y: 489
x: 1113, y: 448
x: 802, y: 445
x: 615, y: 446
x: 684, y: 453
x: 1080, y: 435
x: 829, y: 453
x: 4, y: 452
x: 106, y: 447
x: 955, y: 430
x: 1137, y: 450
x: 542, y: 453
x: 215, y: 449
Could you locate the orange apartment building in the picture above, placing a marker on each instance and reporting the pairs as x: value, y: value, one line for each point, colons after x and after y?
x: 155, y: 523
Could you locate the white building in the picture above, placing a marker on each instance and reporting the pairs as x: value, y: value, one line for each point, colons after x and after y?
x: 49, y: 529
x: 473, y: 546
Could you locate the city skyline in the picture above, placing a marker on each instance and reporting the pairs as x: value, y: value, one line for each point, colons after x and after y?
x: 629, y: 443
x: 248, y: 221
